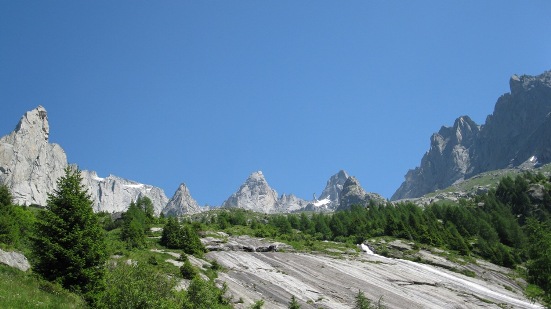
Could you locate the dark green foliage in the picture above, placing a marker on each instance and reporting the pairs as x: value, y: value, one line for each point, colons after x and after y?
x: 177, y: 236
x: 140, y: 286
x: 539, y: 265
x: 205, y: 295
x: 69, y: 245
x: 293, y: 303
x: 16, y: 225
x: 135, y: 224
x: 362, y: 302
x: 146, y: 205
x: 5, y: 196
x: 257, y: 304
x: 188, y: 271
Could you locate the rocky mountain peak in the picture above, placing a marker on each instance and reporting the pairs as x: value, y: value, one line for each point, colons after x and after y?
x: 181, y: 203
x: 29, y: 165
x: 518, y: 129
x: 34, y: 123
x: 254, y: 194
x: 333, y: 188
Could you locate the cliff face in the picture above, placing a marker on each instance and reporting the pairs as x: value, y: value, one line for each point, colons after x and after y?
x: 181, y: 203
x: 29, y: 164
x: 30, y: 167
x: 518, y: 129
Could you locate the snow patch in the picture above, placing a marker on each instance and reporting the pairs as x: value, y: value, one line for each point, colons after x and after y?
x: 134, y: 186
x: 322, y: 202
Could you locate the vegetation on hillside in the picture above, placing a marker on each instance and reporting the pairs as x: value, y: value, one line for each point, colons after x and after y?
x: 509, y: 225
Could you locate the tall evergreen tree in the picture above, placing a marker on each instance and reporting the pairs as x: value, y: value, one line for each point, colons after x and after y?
x: 69, y: 245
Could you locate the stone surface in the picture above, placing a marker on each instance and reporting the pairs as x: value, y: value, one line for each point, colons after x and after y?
x: 181, y: 203
x: 29, y: 164
x: 290, y: 203
x: 243, y: 243
x: 353, y: 194
x: 320, y: 281
x: 114, y: 194
x: 255, y: 194
x: 333, y: 189
x: 517, y: 130
x: 14, y: 259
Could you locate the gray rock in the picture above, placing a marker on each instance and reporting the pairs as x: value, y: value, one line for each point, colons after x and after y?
x: 333, y: 188
x: 14, y: 259
x: 181, y: 203
x: 353, y: 194
x: 243, y: 243
x: 290, y: 203
x: 29, y: 164
x: 114, y: 194
x: 518, y: 130
x: 255, y: 194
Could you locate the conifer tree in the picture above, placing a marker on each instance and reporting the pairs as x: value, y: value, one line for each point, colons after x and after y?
x: 69, y: 245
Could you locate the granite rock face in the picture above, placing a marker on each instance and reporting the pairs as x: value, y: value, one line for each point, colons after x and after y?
x: 290, y: 203
x: 333, y: 189
x: 517, y: 131
x: 29, y: 164
x: 114, y: 194
x: 353, y: 194
x: 255, y: 194
x: 181, y: 203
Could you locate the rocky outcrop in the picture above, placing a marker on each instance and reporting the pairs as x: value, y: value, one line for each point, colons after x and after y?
x: 243, y: 243
x: 290, y: 203
x: 518, y: 129
x: 114, y: 194
x: 255, y: 194
x: 14, y: 259
x: 353, y: 194
x: 29, y: 164
x: 181, y: 203
x: 333, y: 189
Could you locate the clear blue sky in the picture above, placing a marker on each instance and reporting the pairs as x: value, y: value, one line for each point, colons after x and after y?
x: 207, y: 92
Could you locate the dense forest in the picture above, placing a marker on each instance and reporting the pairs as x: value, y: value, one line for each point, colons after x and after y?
x: 70, y: 246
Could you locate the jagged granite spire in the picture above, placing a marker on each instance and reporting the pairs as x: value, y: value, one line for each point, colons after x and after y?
x: 181, y: 203
x: 29, y: 164
x: 518, y: 129
x: 254, y: 194
x: 333, y: 189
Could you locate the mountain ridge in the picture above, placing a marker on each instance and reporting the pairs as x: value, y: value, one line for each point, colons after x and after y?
x: 513, y: 133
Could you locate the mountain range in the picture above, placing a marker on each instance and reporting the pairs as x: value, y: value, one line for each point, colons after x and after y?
x: 518, y: 132
x: 30, y: 166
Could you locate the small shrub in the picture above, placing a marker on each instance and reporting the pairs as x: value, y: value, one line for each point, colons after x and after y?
x: 188, y: 271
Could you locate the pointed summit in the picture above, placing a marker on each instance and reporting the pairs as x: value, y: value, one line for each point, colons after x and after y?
x: 29, y: 165
x: 333, y: 188
x: 181, y: 203
x: 254, y: 194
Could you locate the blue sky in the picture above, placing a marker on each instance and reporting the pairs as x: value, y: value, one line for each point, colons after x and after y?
x: 207, y: 92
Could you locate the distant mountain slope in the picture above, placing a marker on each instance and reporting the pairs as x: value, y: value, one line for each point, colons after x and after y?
x: 518, y: 129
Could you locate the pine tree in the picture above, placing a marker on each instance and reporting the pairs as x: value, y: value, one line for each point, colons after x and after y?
x: 293, y: 304
x: 69, y: 245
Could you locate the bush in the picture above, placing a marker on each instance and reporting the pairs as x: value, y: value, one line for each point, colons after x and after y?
x: 188, y: 271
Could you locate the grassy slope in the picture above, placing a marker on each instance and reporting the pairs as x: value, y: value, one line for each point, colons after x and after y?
x: 24, y: 290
